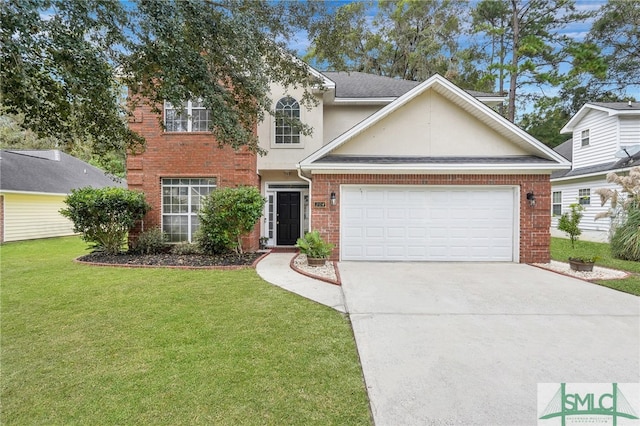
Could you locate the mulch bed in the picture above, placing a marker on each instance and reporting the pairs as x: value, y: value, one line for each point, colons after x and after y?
x: 170, y: 259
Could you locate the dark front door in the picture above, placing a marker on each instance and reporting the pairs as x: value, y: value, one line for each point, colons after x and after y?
x: 288, y: 219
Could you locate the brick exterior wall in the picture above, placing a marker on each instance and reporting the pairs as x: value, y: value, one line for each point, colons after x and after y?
x: 534, y: 221
x: 184, y: 155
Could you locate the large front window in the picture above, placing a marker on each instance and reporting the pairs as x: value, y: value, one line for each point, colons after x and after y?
x: 181, y: 200
x: 287, y: 111
x: 191, y: 116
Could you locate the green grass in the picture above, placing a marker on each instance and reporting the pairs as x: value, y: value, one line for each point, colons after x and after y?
x: 101, y: 345
x: 561, y: 250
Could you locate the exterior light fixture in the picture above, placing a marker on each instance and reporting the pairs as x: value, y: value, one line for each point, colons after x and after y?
x: 531, y: 197
x: 333, y: 198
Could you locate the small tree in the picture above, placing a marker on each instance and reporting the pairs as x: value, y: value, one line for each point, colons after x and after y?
x: 227, y: 214
x: 104, y: 216
x: 569, y: 222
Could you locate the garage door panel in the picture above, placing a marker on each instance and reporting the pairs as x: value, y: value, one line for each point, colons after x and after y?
x: 454, y: 224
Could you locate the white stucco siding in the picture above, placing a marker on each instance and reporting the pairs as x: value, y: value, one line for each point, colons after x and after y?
x: 570, y: 191
x: 35, y: 216
x: 430, y: 125
x: 629, y: 131
x: 603, y: 139
x: 286, y: 156
x: 340, y: 118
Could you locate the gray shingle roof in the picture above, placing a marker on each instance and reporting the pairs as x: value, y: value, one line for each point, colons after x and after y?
x: 599, y: 168
x: 49, y: 172
x: 375, y: 159
x: 618, y: 106
x: 361, y: 85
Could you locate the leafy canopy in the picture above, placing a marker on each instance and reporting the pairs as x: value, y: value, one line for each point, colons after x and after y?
x: 64, y: 64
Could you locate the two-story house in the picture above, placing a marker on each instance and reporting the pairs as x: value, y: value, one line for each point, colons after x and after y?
x: 394, y: 170
x: 605, y: 137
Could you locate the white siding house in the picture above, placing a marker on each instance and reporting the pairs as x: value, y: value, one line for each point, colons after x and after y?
x: 33, y: 186
x: 599, y: 132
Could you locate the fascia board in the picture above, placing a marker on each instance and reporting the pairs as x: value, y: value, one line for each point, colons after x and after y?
x: 420, y: 167
x: 12, y: 191
x: 568, y: 128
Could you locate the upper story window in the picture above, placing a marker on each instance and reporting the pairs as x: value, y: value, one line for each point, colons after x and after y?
x: 191, y: 116
x: 287, y: 109
x: 584, y: 137
x: 584, y: 196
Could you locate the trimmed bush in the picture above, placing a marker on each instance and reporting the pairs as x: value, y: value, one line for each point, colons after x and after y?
x: 186, y: 249
x: 151, y: 241
x: 227, y: 214
x: 104, y: 216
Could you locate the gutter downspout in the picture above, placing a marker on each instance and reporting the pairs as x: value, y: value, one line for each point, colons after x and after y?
x: 301, y: 176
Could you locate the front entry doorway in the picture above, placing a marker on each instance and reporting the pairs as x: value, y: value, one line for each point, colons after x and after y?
x: 288, y: 218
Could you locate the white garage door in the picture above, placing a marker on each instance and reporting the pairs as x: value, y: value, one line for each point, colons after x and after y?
x: 399, y: 223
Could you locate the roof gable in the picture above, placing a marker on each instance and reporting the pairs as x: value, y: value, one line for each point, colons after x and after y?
x: 466, y: 108
x: 610, y: 108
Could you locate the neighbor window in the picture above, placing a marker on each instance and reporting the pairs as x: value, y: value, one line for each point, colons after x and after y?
x: 556, y: 209
x: 584, y: 196
x: 584, y: 137
x: 191, y: 116
x: 287, y: 109
x: 181, y: 200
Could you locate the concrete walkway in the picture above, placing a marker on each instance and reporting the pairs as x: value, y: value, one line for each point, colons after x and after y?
x: 275, y: 269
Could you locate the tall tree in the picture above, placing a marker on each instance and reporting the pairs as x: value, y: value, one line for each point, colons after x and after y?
x: 617, y: 32
x: 63, y: 63
x: 409, y: 39
x: 530, y: 32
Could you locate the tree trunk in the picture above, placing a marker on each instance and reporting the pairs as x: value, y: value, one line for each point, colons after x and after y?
x: 511, y: 112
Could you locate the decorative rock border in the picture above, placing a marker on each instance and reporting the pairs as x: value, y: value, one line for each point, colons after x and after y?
x: 308, y: 271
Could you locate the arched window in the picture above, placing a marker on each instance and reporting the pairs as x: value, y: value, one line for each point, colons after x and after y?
x: 287, y: 109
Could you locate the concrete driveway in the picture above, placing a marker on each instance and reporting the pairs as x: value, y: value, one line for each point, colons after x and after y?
x: 468, y: 343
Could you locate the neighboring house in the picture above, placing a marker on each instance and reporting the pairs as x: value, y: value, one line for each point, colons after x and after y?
x: 605, y: 138
x: 33, y: 186
x: 394, y: 170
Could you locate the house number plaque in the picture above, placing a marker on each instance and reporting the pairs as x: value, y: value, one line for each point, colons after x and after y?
x: 320, y: 204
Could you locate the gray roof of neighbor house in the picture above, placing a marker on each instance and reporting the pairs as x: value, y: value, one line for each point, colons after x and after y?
x: 618, y: 106
x: 361, y: 85
x: 566, y: 150
x: 49, y: 171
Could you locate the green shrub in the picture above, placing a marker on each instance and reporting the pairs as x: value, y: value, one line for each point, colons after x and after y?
x: 151, y: 241
x: 227, y: 214
x: 186, y: 249
x: 625, y: 242
x: 569, y: 222
x: 104, y: 216
x: 314, y: 246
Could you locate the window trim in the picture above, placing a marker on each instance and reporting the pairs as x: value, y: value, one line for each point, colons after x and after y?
x: 585, y: 135
x: 189, y: 108
x: 584, y: 200
x: 555, y: 204
x: 274, y: 127
x: 189, y: 213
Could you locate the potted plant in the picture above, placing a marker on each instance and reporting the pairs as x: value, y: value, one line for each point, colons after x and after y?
x: 316, y: 249
x: 569, y: 223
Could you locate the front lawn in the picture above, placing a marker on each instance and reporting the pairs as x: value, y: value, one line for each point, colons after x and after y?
x: 561, y: 250
x: 103, y: 345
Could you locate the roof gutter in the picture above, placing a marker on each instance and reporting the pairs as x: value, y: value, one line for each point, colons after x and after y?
x: 309, y: 181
